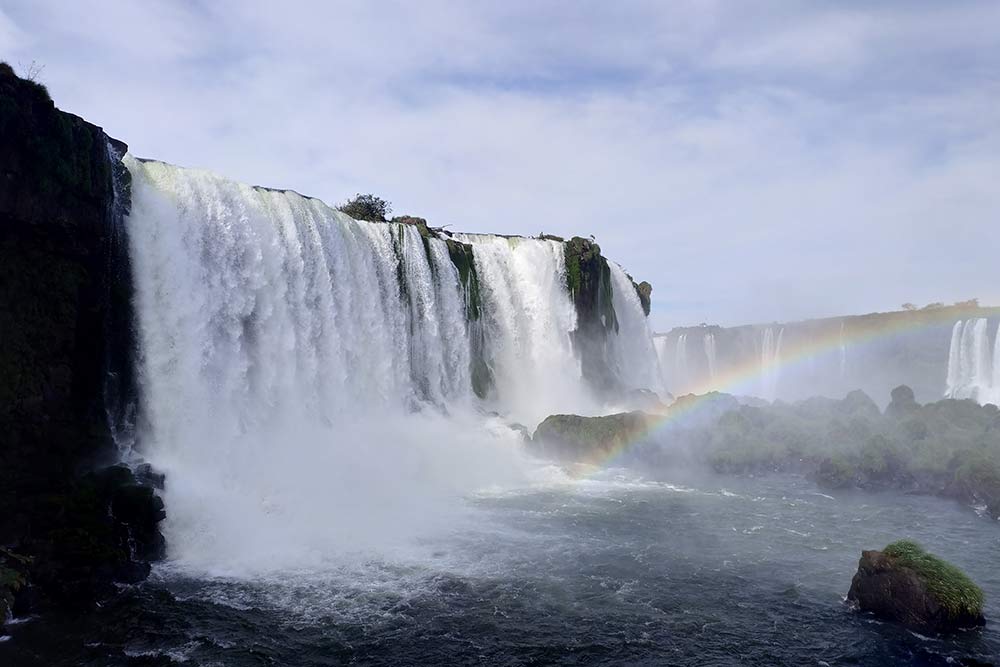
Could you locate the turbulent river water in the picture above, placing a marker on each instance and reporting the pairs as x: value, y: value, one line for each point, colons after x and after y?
x: 611, y: 569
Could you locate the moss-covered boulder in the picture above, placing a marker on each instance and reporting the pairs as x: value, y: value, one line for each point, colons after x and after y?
x: 645, y: 292
x: 904, y: 583
x: 572, y: 438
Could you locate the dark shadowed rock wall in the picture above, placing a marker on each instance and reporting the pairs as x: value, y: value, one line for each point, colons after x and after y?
x: 68, y: 527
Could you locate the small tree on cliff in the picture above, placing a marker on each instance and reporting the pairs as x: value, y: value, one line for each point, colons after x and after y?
x: 367, y: 207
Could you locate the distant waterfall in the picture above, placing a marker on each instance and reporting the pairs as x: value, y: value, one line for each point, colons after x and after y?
x: 710, y: 354
x: 973, y: 370
x: 770, y: 360
x: 680, y: 363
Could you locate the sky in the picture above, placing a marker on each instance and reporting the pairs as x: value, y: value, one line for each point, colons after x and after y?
x: 755, y: 161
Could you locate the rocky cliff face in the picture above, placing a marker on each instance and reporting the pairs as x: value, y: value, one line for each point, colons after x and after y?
x: 66, y: 384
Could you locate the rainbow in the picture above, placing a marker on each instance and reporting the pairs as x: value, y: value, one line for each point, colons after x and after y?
x: 831, y: 336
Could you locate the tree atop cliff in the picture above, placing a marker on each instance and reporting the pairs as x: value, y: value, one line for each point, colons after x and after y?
x: 367, y: 207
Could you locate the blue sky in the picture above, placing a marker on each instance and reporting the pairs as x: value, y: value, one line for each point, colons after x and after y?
x: 755, y: 161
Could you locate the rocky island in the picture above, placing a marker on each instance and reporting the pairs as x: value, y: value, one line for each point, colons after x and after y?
x: 906, y: 584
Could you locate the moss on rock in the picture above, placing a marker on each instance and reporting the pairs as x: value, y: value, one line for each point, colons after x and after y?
x: 904, y: 583
x: 958, y: 596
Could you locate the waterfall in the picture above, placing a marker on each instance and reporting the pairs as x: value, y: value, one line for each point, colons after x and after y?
x: 680, y: 364
x: 306, y: 379
x: 529, y: 320
x: 283, y: 351
x: 710, y: 354
x: 632, y: 348
x: 973, y: 371
x: 770, y: 360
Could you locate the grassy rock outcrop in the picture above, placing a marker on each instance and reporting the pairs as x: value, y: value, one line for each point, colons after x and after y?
x: 904, y: 583
x: 572, y: 438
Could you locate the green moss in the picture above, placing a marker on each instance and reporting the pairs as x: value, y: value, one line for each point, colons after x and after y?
x: 954, y: 591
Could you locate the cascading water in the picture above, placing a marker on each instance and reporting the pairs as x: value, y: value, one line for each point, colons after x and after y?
x: 283, y: 348
x: 292, y: 360
x: 710, y: 354
x: 680, y: 362
x: 973, y: 372
x: 529, y: 318
x: 632, y: 349
x: 770, y: 360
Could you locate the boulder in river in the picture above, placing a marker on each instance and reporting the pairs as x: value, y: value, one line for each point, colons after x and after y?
x: 573, y: 438
x: 904, y: 583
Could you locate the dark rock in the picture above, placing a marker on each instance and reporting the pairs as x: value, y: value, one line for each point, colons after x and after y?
x: 521, y: 430
x: 146, y: 476
x: 859, y: 404
x: 645, y: 292
x: 66, y: 370
x: 588, y: 278
x: 903, y: 583
x: 903, y: 402
x: 644, y: 399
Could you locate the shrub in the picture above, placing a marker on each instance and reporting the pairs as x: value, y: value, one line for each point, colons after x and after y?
x: 367, y: 207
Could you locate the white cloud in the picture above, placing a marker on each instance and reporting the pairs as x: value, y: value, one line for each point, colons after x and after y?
x: 775, y: 162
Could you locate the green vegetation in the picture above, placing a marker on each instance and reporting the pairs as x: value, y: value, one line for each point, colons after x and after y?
x: 953, y: 590
x: 576, y: 438
x: 367, y: 207
x: 948, y: 448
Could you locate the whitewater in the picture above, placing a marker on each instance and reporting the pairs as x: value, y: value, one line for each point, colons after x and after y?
x: 306, y: 377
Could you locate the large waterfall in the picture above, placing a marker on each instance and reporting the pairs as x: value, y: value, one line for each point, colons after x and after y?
x: 973, y: 367
x: 293, y: 361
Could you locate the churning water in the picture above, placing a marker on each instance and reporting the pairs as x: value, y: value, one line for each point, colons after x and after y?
x: 611, y: 570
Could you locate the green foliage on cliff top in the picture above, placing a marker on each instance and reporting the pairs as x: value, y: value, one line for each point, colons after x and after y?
x: 954, y: 591
x: 367, y: 207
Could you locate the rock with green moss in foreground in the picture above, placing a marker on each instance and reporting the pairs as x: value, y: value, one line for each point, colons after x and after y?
x: 906, y: 584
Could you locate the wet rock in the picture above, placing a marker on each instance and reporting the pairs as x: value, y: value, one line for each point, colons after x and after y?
x: 904, y: 583
x: 145, y: 475
x: 903, y: 402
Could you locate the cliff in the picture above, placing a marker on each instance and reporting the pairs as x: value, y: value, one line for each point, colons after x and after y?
x: 66, y: 381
